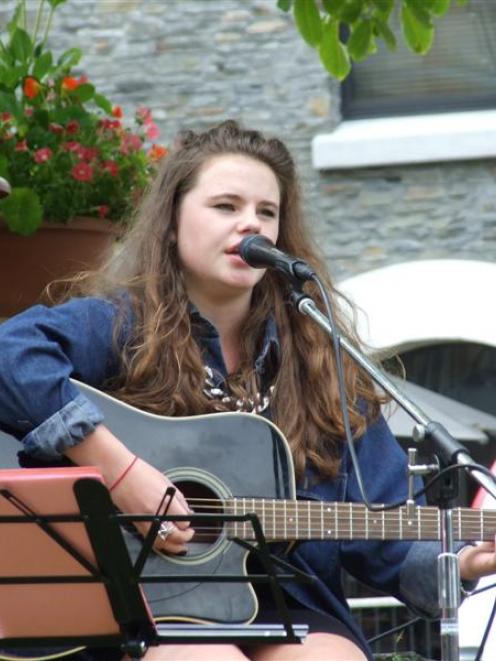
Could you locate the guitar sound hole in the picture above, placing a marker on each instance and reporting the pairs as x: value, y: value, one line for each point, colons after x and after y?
x: 202, y: 500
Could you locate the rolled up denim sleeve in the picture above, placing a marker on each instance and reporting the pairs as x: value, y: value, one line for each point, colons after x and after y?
x: 41, y: 350
x: 64, y: 429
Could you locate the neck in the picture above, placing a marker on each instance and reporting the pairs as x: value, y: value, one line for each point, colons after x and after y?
x: 228, y: 317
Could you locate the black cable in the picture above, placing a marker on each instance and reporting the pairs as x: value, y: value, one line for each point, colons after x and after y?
x: 336, y: 340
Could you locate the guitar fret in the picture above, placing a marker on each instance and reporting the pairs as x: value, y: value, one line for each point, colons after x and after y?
x: 235, y: 523
x: 345, y: 520
x: 285, y: 520
x: 274, y: 529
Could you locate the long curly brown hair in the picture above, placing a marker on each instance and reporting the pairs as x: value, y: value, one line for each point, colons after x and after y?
x: 162, y: 368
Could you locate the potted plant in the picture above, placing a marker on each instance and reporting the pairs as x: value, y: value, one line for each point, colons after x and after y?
x: 75, y: 167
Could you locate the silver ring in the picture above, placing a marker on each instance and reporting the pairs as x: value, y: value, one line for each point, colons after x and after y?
x: 165, y: 530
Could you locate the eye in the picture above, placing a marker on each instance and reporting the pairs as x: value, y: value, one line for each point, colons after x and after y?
x: 224, y: 206
x: 270, y: 213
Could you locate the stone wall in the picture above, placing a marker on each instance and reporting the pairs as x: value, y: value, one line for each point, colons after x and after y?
x: 196, y: 62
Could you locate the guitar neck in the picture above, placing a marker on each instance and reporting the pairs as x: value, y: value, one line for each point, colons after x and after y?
x: 296, y: 520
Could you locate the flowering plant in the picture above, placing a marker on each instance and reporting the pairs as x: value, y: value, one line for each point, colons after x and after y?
x: 64, y: 148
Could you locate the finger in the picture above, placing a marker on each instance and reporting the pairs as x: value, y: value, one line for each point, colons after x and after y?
x: 176, y: 541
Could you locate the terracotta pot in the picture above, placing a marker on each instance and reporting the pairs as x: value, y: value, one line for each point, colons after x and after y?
x: 55, y: 250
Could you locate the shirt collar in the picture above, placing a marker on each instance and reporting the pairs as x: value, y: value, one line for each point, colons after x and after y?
x: 207, y: 337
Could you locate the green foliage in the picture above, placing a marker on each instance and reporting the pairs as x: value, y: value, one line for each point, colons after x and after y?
x: 64, y: 147
x: 344, y: 30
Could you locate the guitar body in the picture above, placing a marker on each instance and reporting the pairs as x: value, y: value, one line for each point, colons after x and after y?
x: 253, y: 460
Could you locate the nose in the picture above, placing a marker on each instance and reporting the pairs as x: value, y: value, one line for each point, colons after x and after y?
x: 249, y: 222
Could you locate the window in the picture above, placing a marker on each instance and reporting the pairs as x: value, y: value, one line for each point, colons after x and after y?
x: 401, y: 108
x: 457, y: 74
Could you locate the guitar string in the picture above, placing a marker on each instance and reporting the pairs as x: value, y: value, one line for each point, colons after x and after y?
x: 372, y: 526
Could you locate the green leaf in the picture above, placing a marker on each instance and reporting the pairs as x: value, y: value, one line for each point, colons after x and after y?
x: 42, y: 65
x: 6, y: 56
x: 22, y: 211
x: 333, y: 53
x: 387, y: 35
x: 420, y: 12
x: 350, y: 10
x: 384, y: 6
x: 333, y: 7
x: 418, y: 36
x: 103, y: 103
x: 84, y: 92
x: 12, y: 25
x: 308, y: 21
x: 12, y: 76
x: 361, y: 40
x: 440, y: 7
x: 4, y: 167
x: 285, y: 5
x: 21, y: 45
x: 70, y: 58
x: 56, y: 3
x: 9, y: 103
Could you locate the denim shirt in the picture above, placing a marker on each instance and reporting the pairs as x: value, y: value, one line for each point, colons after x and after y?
x: 42, y: 348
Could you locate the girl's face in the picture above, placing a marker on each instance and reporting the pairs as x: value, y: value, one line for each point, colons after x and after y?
x: 234, y: 196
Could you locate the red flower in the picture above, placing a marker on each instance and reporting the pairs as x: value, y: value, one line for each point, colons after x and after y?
x: 69, y: 83
x: 111, y: 167
x: 72, y: 127
x: 87, y: 153
x: 144, y: 114
x: 117, y: 112
x: 156, y: 152
x: 73, y: 146
x: 31, y: 87
x: 130, y: 143
x: 82, y: 172
x: 103, y: 210
x: 55, y: 128
x: 152, y: 130
x: 110, y: 124
x: 22, y: 145
x: 5, y: 116
x: 43, y: 155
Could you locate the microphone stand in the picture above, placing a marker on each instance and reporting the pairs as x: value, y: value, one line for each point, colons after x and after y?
x: 450, y: 452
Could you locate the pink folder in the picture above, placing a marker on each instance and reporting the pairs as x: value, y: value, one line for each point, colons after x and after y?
x: 27, y: 550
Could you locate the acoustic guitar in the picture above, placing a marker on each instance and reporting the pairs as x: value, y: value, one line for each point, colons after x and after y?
x: 238, y: 464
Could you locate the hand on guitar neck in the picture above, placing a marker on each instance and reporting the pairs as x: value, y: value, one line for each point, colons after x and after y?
x: 141, y: 489
x: 477, y: 561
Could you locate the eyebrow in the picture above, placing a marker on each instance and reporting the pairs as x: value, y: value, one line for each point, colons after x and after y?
x: 237, y: 198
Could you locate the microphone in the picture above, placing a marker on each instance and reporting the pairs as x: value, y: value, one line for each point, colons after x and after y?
x: 261, y: 253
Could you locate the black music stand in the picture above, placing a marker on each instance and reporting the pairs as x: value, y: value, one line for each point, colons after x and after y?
x: 131, y: 627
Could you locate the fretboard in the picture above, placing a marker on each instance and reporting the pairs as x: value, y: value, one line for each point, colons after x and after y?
x: 297, y: 520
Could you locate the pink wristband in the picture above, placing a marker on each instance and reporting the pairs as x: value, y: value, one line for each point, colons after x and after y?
x: 124, y: 473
